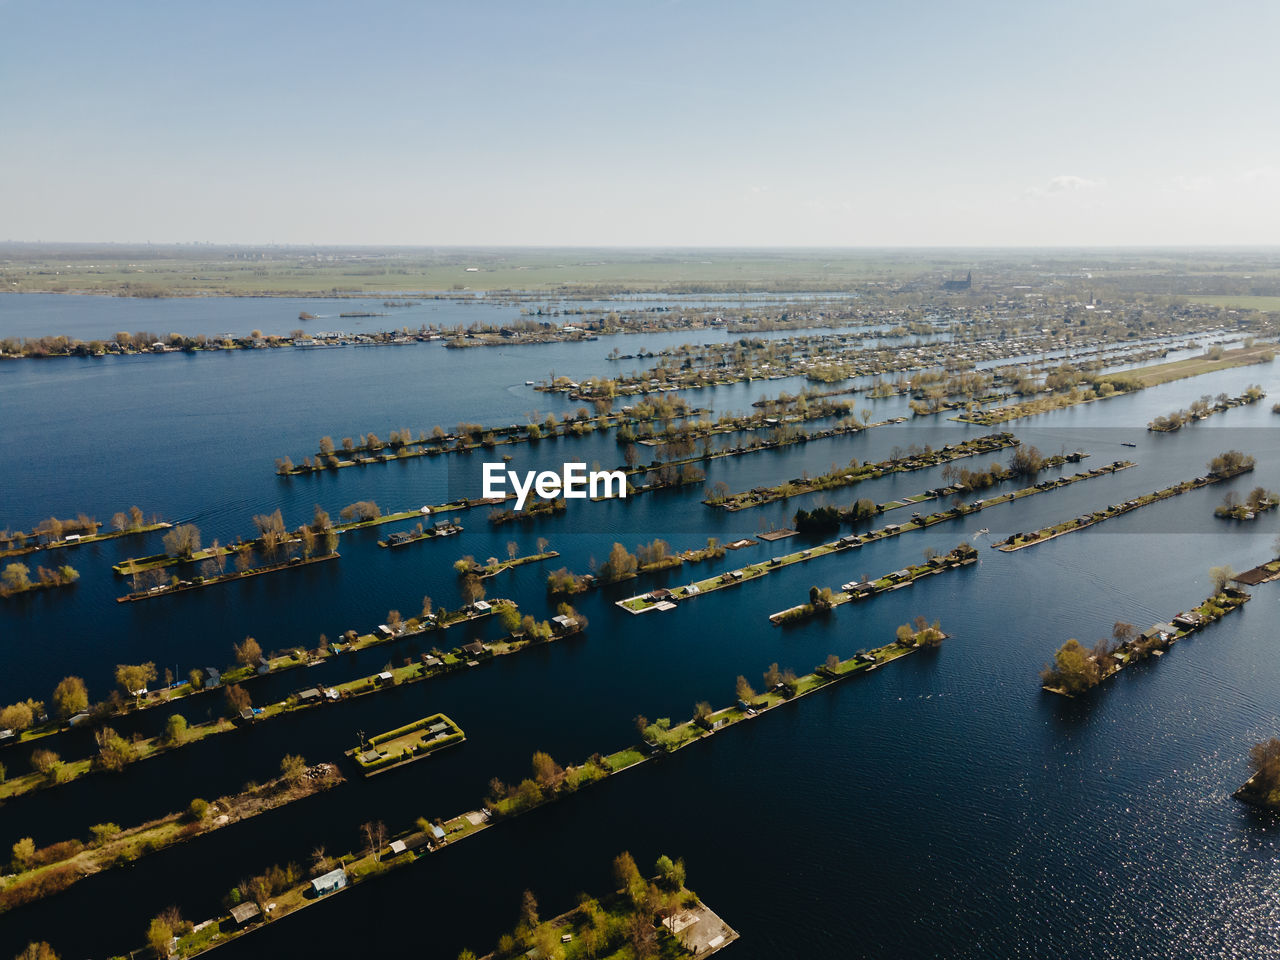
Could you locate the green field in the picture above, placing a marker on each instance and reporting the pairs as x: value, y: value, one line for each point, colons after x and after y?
x: 141, y: 272
x: 1240, y: 302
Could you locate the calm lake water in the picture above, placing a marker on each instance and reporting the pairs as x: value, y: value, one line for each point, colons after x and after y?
x: 942, y: 807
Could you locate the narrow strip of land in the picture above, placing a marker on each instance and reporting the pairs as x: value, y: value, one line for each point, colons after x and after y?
x: 664, y: 599
x: 1076, y: 671
x: 760, y: 496
x: 55, y: 868
x: 1123, y: 382
x: 1020, y: 541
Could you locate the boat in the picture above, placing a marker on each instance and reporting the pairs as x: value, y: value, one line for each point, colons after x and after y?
x: 1126, y: 443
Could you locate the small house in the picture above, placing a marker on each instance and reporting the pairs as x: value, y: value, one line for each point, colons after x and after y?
x: 429, y: 660
x: 331, y: 882
x: 563, y: 625
x: 662, y: 593
x: 1158, y: 632
x: 384, y: 677
x: 692, y: 590
x: 438, y: 729
x: 473, y: 649
x: 482, y: 606
x: 397, y: 847
x: 242, y: 913
x: 384, y: 632
x: 310, y: 695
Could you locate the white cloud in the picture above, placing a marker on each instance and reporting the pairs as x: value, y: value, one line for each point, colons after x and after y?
x: 1191, y: 184
x: 1258, y: 174
x: 1064, y: 184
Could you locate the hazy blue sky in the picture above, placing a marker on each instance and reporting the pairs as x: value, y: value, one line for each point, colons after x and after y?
x: 630, y: 123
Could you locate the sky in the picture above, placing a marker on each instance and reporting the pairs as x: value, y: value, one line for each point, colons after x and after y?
x: 620, y: 123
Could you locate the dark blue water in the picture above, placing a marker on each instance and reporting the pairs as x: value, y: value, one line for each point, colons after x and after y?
x: 941, y: 807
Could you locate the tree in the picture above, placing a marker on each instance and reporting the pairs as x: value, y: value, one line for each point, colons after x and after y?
x: 627, y: 876
x: 44, y: 761
x: 620, y: 564
x: 375, y: 835
x: 37, y: 950
x: 642, y: 936
x: 292, y: 768
x: 472, y: 589
x: 104, y: 832
x: 249, y: 653
x: 159, y: 936
x: 18, y: 716
x: 195, y: 677
x: 197, y: 809
x: 135, y: 518
x: 360, y: 510
x: 182, y: 541
x: 237, y: 699
x: 1073, y: 670
x: 175, y: 730
x: 546, y: 771
x: 133, y: 680
x: 772, y: 677
x: 1026, y: 461
x: 528, y: 912
x: 16, y: 577
x: 745, y: 691
x: 114, y: 751
x: 1221, y: 578
x: 833, y: 663
x: 513, y: 549
x: 70, y: 697
x: 509, y: 618
x: 671, y: 873
x: 1264, y: 759
x: 24, y: 853
x: 320, y: 521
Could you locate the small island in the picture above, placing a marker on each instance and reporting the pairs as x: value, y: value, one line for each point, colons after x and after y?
x: 1262, y: 789
x: 659, y: 917
x: 1258, y: 501
x: 1076, y: 669
x: 406, y: 744
x: 16, y: 579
